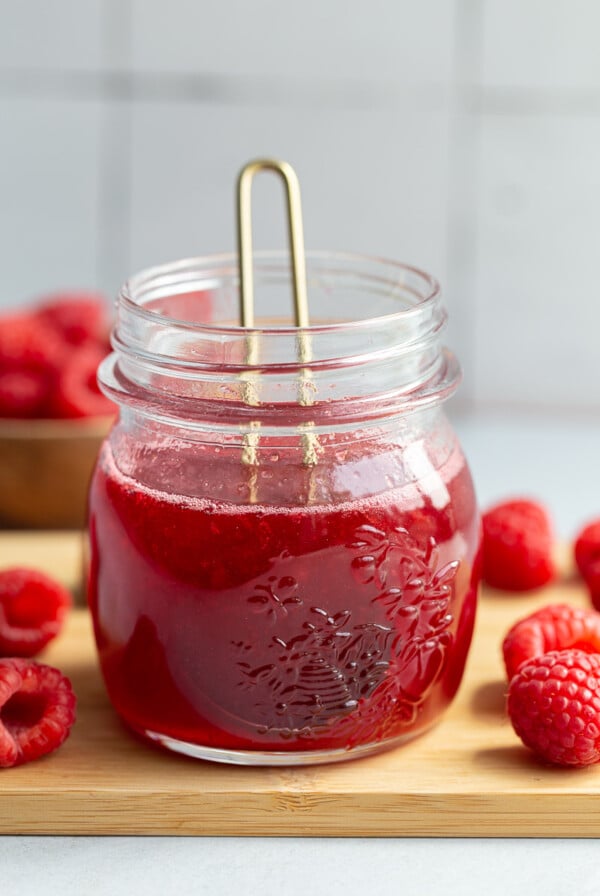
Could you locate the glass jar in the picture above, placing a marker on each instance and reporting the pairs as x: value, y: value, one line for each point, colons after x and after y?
x: 283, y: 529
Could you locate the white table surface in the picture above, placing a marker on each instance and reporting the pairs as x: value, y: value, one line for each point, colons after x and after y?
x: 129, y: 866
x: 556, y: 459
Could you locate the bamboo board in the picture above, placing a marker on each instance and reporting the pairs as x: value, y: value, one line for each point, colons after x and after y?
x: 467, y: 777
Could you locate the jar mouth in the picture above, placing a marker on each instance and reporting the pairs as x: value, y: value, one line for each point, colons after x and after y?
x: 373, y: 346
x: 142, y: 294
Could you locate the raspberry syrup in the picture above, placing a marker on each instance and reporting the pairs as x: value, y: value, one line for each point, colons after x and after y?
x: 260, y: 627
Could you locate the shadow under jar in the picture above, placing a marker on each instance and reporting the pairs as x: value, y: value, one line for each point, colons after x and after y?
x: 284, y: 552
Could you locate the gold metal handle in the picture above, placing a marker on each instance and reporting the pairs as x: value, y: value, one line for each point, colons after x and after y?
x: 296, y: 238
x: 310, y: 443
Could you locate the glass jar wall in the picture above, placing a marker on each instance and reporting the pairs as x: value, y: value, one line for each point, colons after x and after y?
x: 284, y: 534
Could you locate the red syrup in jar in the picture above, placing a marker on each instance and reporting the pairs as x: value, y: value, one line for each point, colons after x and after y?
x: 259, y: 627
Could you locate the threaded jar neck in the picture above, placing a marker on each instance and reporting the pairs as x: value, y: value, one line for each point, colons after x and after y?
x: 373, y: 349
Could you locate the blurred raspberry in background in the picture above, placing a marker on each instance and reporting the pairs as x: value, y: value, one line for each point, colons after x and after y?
x: 49, y: 355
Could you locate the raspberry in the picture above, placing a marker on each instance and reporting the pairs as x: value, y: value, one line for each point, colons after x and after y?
x: 23, y: 393
x: 77, y: 391
x: 517, y: 546
x: 587, y: 559
x: 592, y: 580
x: 33, y: 608
x: 37, y: 710
x: 554, y: 706
x: 28, y: 343
x: 587, y: 546
x: 79, y: 317
x: 556, y: 627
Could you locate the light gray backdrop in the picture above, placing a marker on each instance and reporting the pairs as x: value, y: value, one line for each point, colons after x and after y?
x: 460, y: 135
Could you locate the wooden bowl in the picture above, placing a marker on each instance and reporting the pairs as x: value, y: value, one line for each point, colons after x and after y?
x: 45, y: 469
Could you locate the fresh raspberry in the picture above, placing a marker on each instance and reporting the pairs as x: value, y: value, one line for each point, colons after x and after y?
x: 517, y: 546
x: 554, y: 706
x: 80, y: 317
x: 37, y: 710
x: 23, y: 393
x: 77, y: 391
x: 587, y: 559
x: 33, y: 608
x: 587, y: 546
x: 28, y: 343
x: 556, y: 627
x: 592, y: 581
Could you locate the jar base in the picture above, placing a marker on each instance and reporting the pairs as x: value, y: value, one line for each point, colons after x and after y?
x: 275, y: 758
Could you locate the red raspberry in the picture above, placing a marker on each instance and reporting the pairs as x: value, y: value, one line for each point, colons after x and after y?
x: 28, y: 343
x: 587, y: 559
x: 554, y: 706
x: 23, y: 393
x: 556, y: 627
x: 33, y: 608
x: 517, y: 546
x: 587, y: 547
x: 592, y: 580
x: 77, y: 391
x: 37, y: 710
x: 80, y: 317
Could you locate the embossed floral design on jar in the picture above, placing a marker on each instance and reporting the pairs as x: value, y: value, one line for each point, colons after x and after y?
x: 325, y: 675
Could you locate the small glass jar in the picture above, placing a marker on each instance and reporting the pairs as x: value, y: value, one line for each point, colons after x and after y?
x: 284, y: 534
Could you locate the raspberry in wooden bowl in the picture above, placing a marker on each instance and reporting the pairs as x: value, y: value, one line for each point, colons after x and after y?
x: 52, y: 415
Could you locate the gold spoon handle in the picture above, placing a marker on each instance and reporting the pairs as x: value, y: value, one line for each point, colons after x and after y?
x: 296, y: 238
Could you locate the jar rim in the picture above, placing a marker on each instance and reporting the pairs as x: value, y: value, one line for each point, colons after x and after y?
x: 153, y: 275
x: 347, y: 364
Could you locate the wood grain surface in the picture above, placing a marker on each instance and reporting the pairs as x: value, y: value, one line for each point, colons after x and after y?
x: 45, y: 469
x: 469, y: 776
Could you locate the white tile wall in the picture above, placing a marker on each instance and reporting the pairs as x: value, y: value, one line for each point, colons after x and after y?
x: 537, y: 285
x: 401, y: 41
x: 373, y: 180
x: 49, y: 189
x: 113, y: 236
x: 61, y: 35
x: 461, y: 135
x: 541, y: 43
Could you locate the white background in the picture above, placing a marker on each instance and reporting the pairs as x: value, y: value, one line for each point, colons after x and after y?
x: 221, y: 867
x: 460, y: 135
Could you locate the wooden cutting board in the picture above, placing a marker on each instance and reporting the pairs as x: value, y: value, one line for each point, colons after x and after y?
x: 469, y: 776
